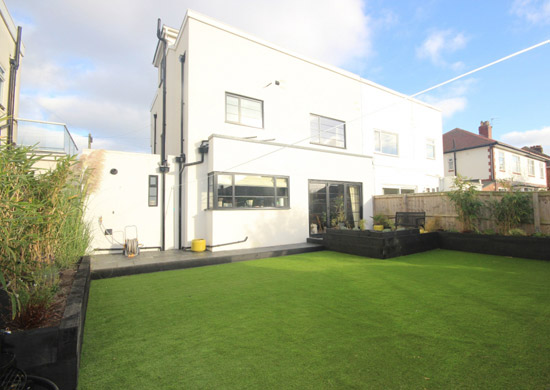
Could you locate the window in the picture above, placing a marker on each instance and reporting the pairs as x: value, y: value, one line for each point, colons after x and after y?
x: 333, y: 204
x: 326, y: 131
x: 430, y: 148
x: 517, y: 165
x: 2, y: 79
x: 233, y: 190
x: 451, y: 164
x: 396, y: 191
x: 501, y: 162
x: 244, y: 111
x: 531, y: 167
x: 153, y: 190
x: 541, y: 168
x: 385, y: 142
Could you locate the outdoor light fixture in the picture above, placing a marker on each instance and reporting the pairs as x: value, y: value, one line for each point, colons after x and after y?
x: 114, y: 171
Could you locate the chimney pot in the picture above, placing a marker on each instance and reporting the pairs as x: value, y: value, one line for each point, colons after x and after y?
x: 485, y: 129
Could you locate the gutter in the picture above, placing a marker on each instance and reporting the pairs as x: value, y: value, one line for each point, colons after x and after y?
x: 163, y: 163
x: 181, y: 158
x: 14, y: 66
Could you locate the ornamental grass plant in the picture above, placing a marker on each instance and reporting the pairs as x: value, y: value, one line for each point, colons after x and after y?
x: 41, y: 229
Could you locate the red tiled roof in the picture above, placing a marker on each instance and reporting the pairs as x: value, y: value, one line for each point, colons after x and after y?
x: 547, y: 157
x: 458, y: 139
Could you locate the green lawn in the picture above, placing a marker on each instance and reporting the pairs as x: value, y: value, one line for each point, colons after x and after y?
x: 325, y: 320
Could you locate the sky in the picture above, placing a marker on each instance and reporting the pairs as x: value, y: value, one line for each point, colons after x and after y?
x: 89, y: 63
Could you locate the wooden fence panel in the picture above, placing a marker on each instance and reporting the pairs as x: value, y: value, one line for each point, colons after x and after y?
x: 441, y: 213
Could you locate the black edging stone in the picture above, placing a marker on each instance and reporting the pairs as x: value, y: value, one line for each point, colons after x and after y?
x: 380, y: 245
x: 54, y: 352
x: 537, y: 248
x: 385, y: 245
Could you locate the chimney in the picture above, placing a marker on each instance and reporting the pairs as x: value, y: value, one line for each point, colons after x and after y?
x: 485, y: 129
x: 536, y: 148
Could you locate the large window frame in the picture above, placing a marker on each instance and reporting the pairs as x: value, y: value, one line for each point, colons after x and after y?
x: 323, y: 131
x: 516, y: 166
x: 378, y: 145
x: 242, y: 119
x: 236, y: 197
x: 501, y: 161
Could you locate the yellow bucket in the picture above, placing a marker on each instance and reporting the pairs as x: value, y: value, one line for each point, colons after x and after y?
x: 378, y: 228
x: 198, y: 245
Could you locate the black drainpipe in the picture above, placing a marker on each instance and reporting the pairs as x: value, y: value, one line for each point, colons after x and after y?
x: 181, y: 158
x: 155, y: 134
x: 14, y: 65
x: 163, y: 163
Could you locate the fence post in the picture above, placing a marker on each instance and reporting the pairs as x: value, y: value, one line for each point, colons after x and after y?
x: 405, y: 206
x: 536, y: 211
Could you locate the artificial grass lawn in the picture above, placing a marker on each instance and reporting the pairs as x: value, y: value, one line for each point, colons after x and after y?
x: 435, y: 320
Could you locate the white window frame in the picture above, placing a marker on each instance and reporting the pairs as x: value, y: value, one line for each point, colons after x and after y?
x: 451, y: 164
x: 378, y: 145
x: 541, y: 167
x: 240, y: 120
x: 531, y: 167
x: 316, y: 137
x: 2, y: 82
x: 408, y: 190
x: 430, y: 147
x: 516, y: 166
x: 501, y: 161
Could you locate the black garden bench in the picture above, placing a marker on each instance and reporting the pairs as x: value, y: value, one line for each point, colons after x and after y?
x: 410, y: 219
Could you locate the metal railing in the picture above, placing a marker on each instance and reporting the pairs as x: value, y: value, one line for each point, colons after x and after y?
x: 47, y: 136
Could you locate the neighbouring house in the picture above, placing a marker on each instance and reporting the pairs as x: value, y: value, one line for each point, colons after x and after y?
x: 481, y: 158
x: 254, y: 145
x: 11, y: 51
x: 537, y: 149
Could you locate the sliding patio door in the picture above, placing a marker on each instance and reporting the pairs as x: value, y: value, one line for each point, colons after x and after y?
x: 334, y: 205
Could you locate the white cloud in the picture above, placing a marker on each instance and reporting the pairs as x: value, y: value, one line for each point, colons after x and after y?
x: 452, y: 98
x: 440, y: 43
x: 529, y: 138
x: 88, y: 64
x: 533, y: 11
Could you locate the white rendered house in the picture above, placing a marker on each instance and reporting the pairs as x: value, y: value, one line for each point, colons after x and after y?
x: 480, y: 157
x: 289, y: 146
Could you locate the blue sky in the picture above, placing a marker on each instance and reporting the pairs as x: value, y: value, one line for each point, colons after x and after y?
x: 88, y: 64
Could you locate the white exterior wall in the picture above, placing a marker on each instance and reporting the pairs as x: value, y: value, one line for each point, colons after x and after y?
x: 282, y: 226
x: 510, y: 173
x: 121, y: 200
x: 471, y: 163
x: 220, y: 60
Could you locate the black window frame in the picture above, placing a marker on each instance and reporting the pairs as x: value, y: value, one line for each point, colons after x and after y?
x: 150, y: 186
x: 319, y: 117
x: 213, y: 196
x: 240, y: 97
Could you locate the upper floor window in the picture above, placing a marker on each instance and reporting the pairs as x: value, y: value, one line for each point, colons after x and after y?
x: 153, y: 190
x: 2, y: 80
x: 517, y: 164
x: 385, y: 142
x: 541, y: 168
x: 327, y: 131
x: 451, y: 164
x: 430, y: 148
x: 244, y: 111
x: 501, y: 162
x: 232, y: 190
x: 531, y: 167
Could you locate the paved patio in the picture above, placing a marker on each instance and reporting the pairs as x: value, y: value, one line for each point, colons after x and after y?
x: 112, y: 265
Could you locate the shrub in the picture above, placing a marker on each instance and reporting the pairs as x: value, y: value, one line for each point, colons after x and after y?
x: 41, y: 224
x: 511, y: 210
x: 467, y: 204
x: 517, y: 232
x: 381, y: 219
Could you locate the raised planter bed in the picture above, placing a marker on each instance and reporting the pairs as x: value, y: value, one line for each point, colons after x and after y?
x: 54, y: 352
x: 516, y: 246
x: 385, y: 245
x: 380, y: 245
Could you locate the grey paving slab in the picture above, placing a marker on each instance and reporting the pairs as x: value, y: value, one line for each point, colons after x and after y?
x: 113, y: 265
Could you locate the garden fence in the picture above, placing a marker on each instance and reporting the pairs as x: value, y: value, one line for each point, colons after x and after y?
x: 441, y: 212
